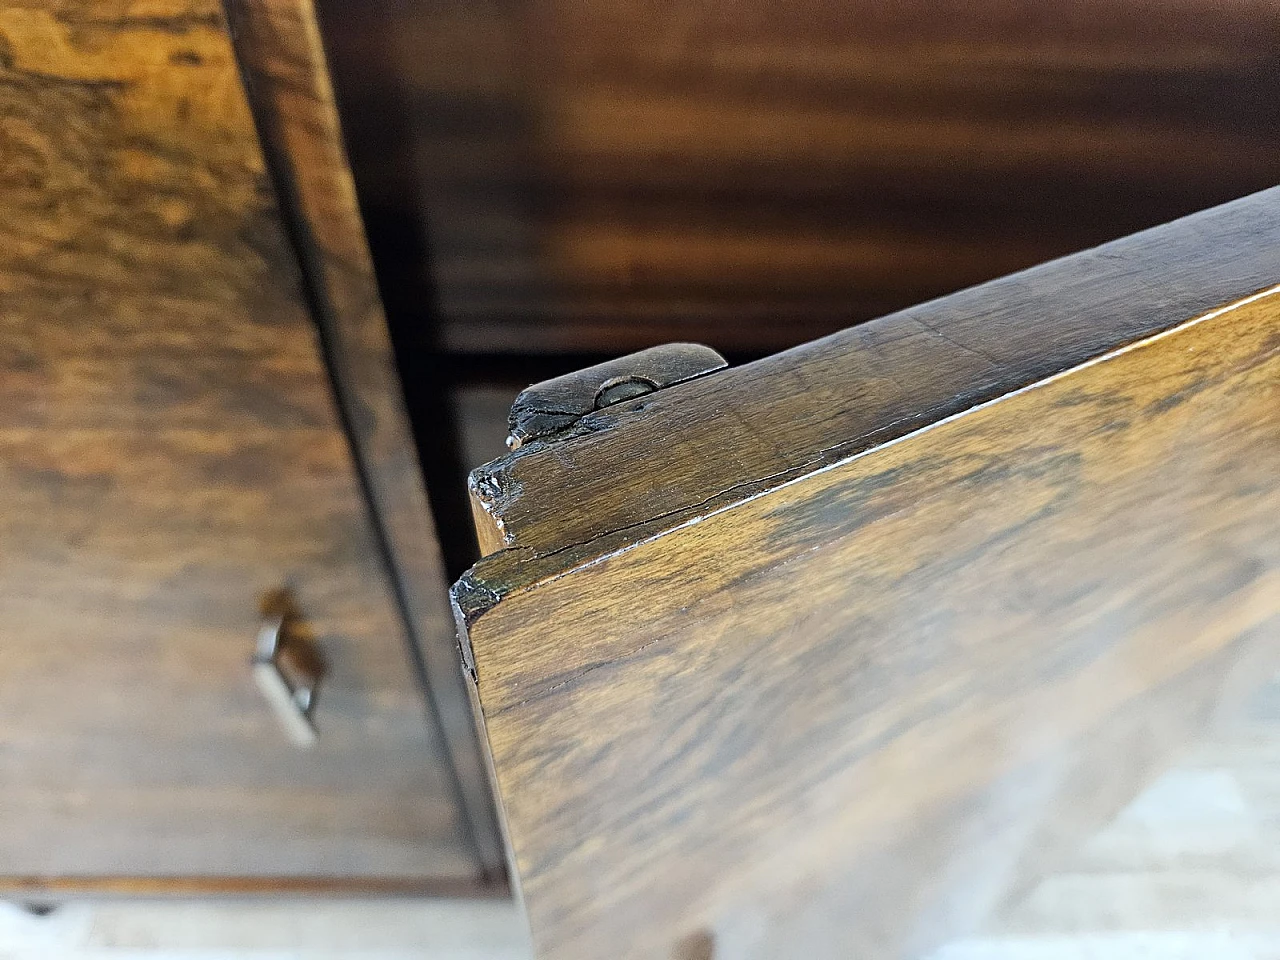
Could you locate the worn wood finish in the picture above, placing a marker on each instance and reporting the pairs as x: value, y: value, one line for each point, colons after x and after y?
x: 281, y: 52
x: 858, y: 708
x: 789, y: 414
x: 169, y: 452
x: 610, y: 174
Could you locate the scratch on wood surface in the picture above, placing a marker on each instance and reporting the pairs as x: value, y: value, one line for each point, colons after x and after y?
x: 981, y: 354
x: 524, y: 567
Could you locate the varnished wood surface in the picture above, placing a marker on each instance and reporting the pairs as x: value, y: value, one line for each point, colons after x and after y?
x: 754, y: 426
x: 602, y: 176
x: 859, y: 710
x: 283, y: 58
x: 169, y: 452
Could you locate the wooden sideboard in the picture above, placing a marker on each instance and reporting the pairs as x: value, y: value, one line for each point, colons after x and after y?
x: 203, y: 401
x: 198, y: 410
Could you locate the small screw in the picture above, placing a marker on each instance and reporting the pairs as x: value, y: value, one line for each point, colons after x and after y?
x: 618, y: 390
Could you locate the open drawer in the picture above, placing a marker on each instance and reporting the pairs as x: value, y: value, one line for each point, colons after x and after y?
x: 956, y: 634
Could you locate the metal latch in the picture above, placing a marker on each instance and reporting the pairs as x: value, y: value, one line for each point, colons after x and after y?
x: 287, y: 667
x: 552, y: 406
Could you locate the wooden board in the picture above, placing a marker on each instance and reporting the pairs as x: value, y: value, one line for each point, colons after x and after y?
x: 786, y: 415
x: 569, y: 176
x: 861, y: 704
x: 170, y: 451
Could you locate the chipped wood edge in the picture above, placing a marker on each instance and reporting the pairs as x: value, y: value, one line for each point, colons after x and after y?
x: 520, y: 569
x: 1059, y: 314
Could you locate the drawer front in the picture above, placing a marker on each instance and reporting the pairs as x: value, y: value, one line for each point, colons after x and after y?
x: 170, y: 454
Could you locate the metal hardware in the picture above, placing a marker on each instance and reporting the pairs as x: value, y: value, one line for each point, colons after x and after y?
x: 549, y: 407
x: 287, y: 668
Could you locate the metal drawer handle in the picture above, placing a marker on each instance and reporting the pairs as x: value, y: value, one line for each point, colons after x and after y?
x: 288, y: 669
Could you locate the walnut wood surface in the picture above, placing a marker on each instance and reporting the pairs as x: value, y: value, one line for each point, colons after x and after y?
x: 602, y: 175
x: 170, y: 451
x: 858, y: 709
x: 288, y: 81
x: 791, y: 413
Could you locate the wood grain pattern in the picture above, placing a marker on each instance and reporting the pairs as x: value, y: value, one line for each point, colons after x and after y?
x: 811, y: 406
x: 859, y: 709
x: 170, y: 451
x: 602, y: 176
x: 281, y: 53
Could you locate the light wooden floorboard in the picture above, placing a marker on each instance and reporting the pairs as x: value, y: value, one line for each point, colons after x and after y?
x: 316, y: 930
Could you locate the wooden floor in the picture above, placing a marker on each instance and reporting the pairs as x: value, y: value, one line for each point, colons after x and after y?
x: 319, y: 930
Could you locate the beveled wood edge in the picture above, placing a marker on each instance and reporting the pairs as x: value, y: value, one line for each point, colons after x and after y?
x: 1160, y: 293
x: 541, y: 570
x: 519, y: 568
x: 22, y: 887
x: 273, y: 39
x: 511, y: 571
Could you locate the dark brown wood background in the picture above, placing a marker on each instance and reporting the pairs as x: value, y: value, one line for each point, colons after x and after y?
x: 171, y: 450
x: 591, y: 176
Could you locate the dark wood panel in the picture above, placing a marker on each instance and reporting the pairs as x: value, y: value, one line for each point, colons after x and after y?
x: 169, y: 452
x: 279, y: 45
x: 860, y: 707
x: 604, y: 176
